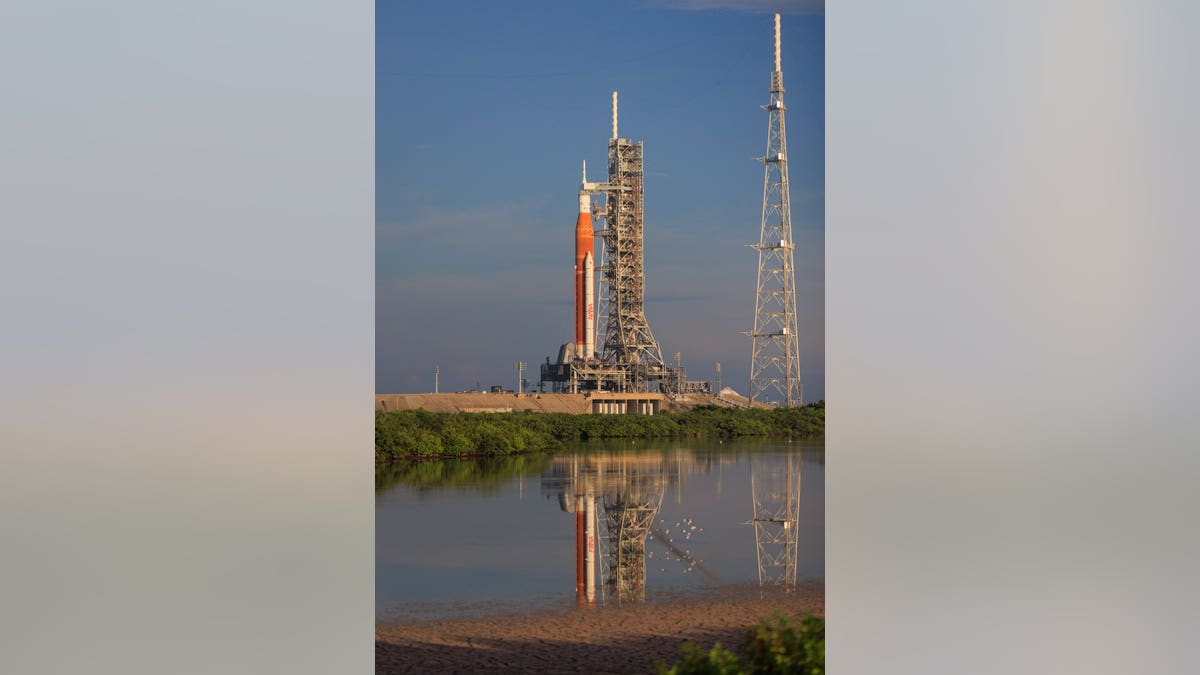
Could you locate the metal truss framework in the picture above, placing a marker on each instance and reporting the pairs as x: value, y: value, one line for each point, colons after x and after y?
x: 776, y: 491
x: 775, y: 358
x: 629, y: 359
x: 627, y: 337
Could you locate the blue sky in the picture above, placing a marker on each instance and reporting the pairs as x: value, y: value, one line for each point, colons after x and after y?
x: 484, y: 112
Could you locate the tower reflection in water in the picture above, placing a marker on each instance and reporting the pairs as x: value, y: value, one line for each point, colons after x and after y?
x: 616, y: 497
x: 775, y: 487
x: 628, y: 489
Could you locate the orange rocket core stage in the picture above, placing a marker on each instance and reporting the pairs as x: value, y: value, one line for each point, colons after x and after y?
x: 584, y: 245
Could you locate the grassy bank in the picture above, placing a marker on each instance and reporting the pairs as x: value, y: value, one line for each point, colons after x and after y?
x: 419, y: 434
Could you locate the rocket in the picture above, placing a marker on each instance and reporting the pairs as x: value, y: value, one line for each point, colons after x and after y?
x: 585, y: 266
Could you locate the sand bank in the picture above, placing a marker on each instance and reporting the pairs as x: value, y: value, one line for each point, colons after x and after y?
x: 628, y: 639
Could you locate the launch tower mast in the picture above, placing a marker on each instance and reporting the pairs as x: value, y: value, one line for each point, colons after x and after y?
x: 627, y: 337
x: 775, y: 360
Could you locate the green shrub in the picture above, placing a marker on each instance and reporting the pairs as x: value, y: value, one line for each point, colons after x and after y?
x: 695, y: 661
x: 457, y: 442
x: 426, y: 444
x: 774, y: 646
x: 778, y: 646
x: 491, y: 440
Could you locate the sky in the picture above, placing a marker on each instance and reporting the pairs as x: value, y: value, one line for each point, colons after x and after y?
x: 484, y: 113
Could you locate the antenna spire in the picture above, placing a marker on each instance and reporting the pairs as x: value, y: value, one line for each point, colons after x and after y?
x: 614, y: 116
x: 777, y: 60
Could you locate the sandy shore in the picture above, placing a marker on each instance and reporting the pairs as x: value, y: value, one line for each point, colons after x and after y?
x: 628, y: 639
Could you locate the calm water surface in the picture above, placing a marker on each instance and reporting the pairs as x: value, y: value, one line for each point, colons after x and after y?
x: 666, y: 518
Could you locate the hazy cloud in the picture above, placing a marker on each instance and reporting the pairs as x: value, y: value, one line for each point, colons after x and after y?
x: 483, y: 238
x: 459, y: 222
x: 757, y: 6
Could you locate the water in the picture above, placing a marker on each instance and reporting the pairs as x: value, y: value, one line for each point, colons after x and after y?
x: 671, y: 518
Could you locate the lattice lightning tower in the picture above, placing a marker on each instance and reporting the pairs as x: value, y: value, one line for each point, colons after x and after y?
x: 775, y: 360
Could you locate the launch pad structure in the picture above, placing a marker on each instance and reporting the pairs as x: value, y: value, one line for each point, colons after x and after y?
x: 628, y: 359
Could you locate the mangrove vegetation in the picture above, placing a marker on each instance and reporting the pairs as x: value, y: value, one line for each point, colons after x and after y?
x: 415, y: 434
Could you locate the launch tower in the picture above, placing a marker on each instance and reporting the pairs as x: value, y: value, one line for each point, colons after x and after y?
x: 627, y: 337
x: 627, y: 358
x: 775, y: 358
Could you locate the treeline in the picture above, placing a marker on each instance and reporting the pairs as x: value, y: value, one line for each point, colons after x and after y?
x: 418, y: 433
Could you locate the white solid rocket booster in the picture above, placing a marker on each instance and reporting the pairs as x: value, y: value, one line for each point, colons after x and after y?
x: 589, y: 524
x: 589, y: 306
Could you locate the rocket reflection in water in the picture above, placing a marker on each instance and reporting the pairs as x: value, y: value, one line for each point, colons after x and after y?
x: 617, y: 497
x: 630, y: 491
